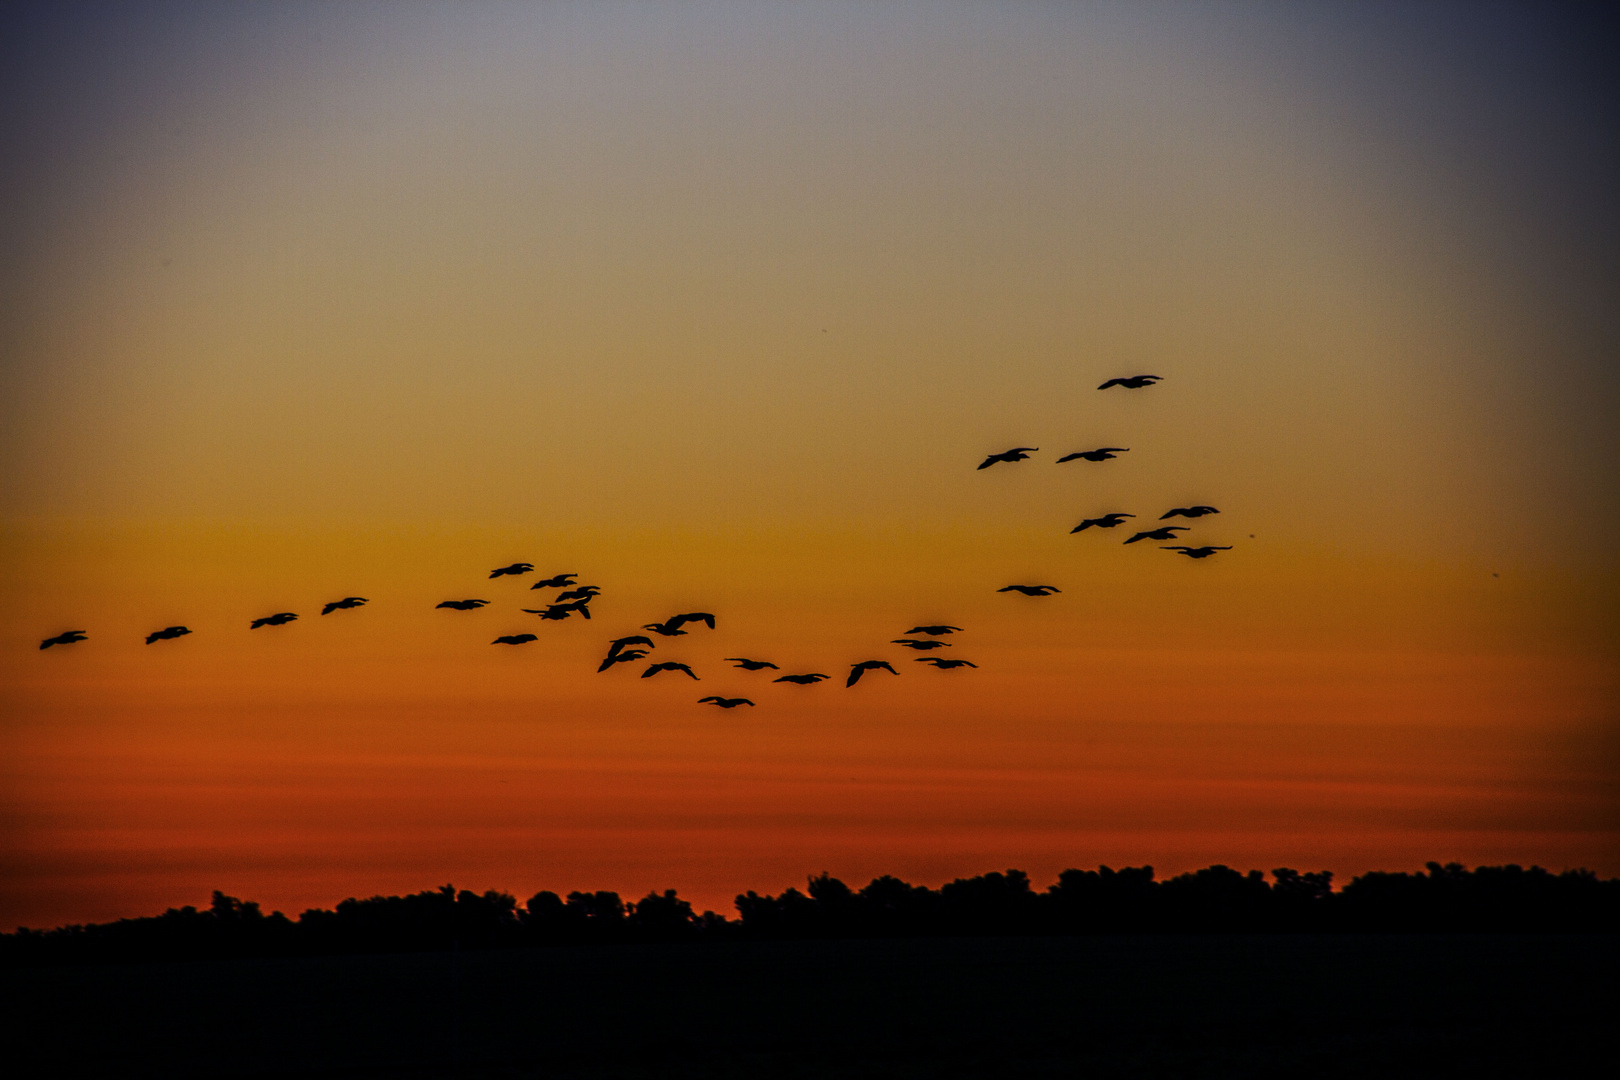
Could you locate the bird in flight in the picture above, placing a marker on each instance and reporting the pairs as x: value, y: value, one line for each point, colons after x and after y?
x: 1134, y: 382
x: 1198, y: 552
x: 809, y: 679
x: 624, y: 657
x: 166, y: 633
x: 346, y: 602
x: 944, y: 664
x: 277, y: 619
x: 1107, y: 521
x: 619, y: 651
x: 554, y: 612
x: 1017, y: 453
x: 933, y: 631
x: 584, y: 592
x: 515, y: 569
x: 751, y: 665
x: 920, y: 646
x: 1033, y: 590
x: 71, y: 637
x: 560, y: 581
x: 1102, y: 453
x: 857, y: 670
x: 462, y: 605
x: 671, y: 627
x: 1168, y: 532
x: 725, y: 702
x: 1189, y: 512
x: 514, y: 639
x: 668, y: 665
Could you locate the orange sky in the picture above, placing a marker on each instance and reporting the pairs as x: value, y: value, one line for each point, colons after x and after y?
x: 720, y: 306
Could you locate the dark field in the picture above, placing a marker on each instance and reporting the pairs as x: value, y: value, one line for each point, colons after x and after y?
x: 1348, y: 1006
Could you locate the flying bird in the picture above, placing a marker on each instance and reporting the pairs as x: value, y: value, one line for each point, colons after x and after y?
x: 1198, y: 552
x: 1107, y: 521
x: 725, y: 702
x: 944, y: 664
x: 857, y: 670
x: 934, y: 631
x: 751, y: 665
x: 920, y: 646
x: 515, y: 569
x: 1017, y: 453
x: 803, y: 680
x: 1167, y: 532
x: 71, y: 637
x: 277, y: 619
x: 584, y: 592
x: 1102, y: 453
x: 346, y: 602
x: 1189, y: 512
x: 1032, y: 590
x: 624, y: 657
x: 560, y: 581
x: 671, y: 627
x: 462, y: 605
x: 668, y: 665
x: 166, y: 633
x: 554, y: 612
x: 619, y: 651
x: 1134, y: 382
x: 514, y: 639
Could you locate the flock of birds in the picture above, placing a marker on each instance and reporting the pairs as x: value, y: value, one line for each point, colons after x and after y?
x: 575, y: 599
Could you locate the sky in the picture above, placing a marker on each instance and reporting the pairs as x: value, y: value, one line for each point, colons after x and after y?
x: 719, y: 305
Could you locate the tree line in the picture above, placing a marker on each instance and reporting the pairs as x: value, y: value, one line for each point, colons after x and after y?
x: 1217, y: 899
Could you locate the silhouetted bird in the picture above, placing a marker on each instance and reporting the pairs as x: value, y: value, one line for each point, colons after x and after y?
x: 584, y: 592
x: 668, y: 665
x: 1107, y: 521
x: 71, y: 637
x: 803, y: 680
x: 515, y: 569
x: 934, y: 630
x: 346, y: 602
x: 514, y: 639
x: 560, y: 581
x: 277, y: 619
x: 1189, y: 512
x: 1168, y: 532
x: 1017, y: 453
x: 554, y: 612
x: 1032, y: 590
x: 725, y: 702
x: 751, y: 665
x: 920, y: 646
x: 1102, y: 453
x: 624, y: 657
x: 166, y: 633
x: 856, y: 671
x: 1198, y: 552
x: 1134, y: 382
x: 462, y: 605
x: 619, y: 651
x: 944, y: 664
x: 671, y: 627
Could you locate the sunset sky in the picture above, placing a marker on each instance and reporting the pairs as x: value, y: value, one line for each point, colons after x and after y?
x: 719, y: 305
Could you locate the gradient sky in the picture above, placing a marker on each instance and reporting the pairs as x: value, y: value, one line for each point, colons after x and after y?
x: 719, y: 305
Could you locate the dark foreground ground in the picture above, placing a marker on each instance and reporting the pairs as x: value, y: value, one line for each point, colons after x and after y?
x: 1093, y: 1007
